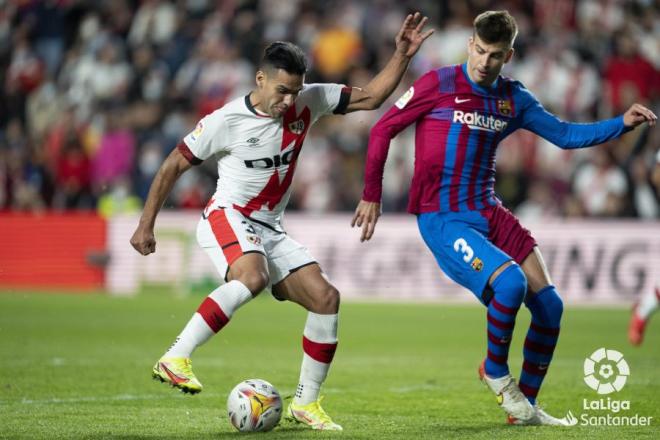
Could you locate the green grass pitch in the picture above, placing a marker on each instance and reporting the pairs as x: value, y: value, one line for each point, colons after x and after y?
x: 78, y: 366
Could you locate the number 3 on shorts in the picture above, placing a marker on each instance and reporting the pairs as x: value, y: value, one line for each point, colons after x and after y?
x: 461, y: 246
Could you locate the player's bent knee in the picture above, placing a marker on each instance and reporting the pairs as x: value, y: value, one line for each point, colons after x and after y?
x: 326, y: 301
x: 552, y: 303
x: 511, y: 283
x: 254, y: 280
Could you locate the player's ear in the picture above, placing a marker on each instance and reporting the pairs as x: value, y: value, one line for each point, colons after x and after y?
x: 260, y: 79
x: 509, y: 55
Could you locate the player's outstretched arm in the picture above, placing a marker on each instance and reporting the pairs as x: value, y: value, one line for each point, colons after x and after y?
x: 143, y: 239
x: 638, y: 114
x: 366, y: 217
x: 408, y: 41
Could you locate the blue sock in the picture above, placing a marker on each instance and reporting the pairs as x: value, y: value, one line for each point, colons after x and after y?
x: 509, y: 291
x: 546, y: 308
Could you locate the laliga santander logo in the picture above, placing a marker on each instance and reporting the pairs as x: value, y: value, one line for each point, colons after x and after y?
x: 606, y: 371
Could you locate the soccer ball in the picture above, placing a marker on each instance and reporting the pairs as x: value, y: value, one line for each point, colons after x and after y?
x: 254, y: 405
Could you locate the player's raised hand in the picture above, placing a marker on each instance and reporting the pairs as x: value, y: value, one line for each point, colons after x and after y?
x: 143, y: 240
x: 638, y: 114
x: 411, y: 36
x: 366, y: 217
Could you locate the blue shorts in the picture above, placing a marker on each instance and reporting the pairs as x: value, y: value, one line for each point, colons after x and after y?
x: 466, y: 244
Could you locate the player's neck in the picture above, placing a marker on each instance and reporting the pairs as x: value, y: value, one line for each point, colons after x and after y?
x: 256, y: 101
x: 469, y: 73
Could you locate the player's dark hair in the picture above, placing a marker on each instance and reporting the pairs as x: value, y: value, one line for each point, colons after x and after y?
x: 286, y: 56
x: 496, y: 27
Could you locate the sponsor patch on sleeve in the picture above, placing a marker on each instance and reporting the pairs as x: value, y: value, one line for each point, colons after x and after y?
x: 197, y: 131
x: 401, y: 103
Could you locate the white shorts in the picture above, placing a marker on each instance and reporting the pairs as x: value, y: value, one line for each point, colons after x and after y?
x: 225, y: 234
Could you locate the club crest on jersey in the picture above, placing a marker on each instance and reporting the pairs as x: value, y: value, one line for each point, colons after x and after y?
x: 477, y: 264
x: 254, y: 239
x: 197, y: 131
x: 297, y: 127
x: 504, y: 107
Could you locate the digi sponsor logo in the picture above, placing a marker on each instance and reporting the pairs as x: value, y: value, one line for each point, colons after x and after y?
x: 285, y: 158
x: 477, y: 121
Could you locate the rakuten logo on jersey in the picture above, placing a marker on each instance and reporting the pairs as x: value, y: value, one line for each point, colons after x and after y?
x: 477, y: 121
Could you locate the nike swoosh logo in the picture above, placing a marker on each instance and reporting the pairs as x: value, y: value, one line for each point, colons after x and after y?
x: 460, y: 101
x: 175, y: 379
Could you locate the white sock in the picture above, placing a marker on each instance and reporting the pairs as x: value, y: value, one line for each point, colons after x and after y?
x: 213, y: 314
x: 648, y: 304
x: 319, y: 344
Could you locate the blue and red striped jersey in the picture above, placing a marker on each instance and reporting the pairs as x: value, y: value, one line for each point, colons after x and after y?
x: 459, y: 125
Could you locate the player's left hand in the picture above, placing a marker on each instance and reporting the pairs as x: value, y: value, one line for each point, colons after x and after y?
x: 366, y: 217
x: 410, y: 37
x: 638, y: 114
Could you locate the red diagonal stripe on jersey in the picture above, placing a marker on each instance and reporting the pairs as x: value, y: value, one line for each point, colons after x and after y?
x: 319, y: 351
x: 271, y: 195
x: 225, y: 235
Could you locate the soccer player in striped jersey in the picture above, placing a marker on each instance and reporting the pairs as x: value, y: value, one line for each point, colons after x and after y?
x: 462, y: 112
x: 649, y: 303
x: 256, y: 141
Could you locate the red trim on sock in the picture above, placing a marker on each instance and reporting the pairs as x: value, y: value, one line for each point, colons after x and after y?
x: 318, y: 351
x: 539, y: 348
x: 548, y: 331
x: 497, y: 359
x: 502, y: 308
x: 528, y: 391
x: 213, y: 314
x: 500, y: 324
x: 497, y: 340
x: 534, y: 368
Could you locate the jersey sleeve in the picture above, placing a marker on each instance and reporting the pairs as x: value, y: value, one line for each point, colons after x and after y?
x: 208, y: 137
x: 413, y: 105
x: 329, y: 98
x: 566, y: 135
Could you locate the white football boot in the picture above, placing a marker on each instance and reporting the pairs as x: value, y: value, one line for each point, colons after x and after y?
x: 543, y: 418
x: 509, y: 396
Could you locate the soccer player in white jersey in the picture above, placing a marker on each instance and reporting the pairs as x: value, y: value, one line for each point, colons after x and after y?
x: 256, y: 140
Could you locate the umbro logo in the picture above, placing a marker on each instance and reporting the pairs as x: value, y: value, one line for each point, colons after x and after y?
x: 253, y: 140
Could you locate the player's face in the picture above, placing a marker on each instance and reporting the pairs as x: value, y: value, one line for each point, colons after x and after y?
x: 278, y: 89
x: 485, y: 61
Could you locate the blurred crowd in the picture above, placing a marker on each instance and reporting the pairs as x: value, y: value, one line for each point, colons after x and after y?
x: 95, y: 93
